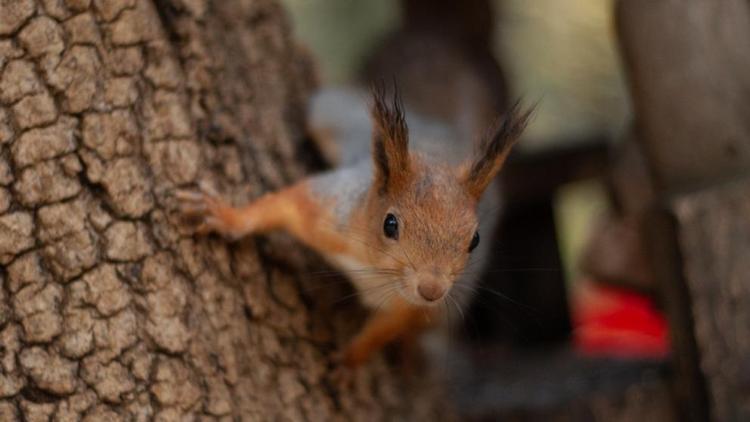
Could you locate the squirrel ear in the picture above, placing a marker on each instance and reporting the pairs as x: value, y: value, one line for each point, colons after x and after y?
x: 494, y: 149
x: 390, y: 143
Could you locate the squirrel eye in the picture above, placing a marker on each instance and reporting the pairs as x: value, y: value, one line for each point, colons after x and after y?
x: 474, y: 241
x: 390, y: 227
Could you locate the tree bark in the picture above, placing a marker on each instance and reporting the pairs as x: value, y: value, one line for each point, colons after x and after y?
x: 109, y: 309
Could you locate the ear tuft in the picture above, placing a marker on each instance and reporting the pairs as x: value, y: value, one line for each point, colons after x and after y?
x: 494, y: 149
x: 390, y: 139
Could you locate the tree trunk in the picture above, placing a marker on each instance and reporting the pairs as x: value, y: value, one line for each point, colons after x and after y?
x: 110, y: 310
x: 688, y: 68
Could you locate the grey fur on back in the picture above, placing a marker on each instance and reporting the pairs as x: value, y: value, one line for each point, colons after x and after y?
x: 344, y: 188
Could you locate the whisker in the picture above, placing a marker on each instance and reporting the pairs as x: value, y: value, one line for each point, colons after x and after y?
x: 334, y: 281
x: 362, y: 270
x: 488, y: 304
x: 409, y: 259
x: 387, y: 296
x: 364, y: 273
x: 351, y: 231
x: 384, y: 252
x: 457, y: 305
x: 532, y: 312
x: 353, y: 275
x: 505, y: 270
x: 388, y: 286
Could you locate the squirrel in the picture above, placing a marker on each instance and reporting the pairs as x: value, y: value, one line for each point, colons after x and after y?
x: 401, y: 224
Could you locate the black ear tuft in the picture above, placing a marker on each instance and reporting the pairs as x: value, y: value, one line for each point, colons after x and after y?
x: 494, y: 149
x: 390, y: 139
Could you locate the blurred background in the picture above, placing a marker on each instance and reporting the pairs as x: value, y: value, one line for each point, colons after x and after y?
x: 595, y: 245
x: 562, y: 52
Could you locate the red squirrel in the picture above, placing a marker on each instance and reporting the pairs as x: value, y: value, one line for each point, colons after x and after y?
x: 401, y: 224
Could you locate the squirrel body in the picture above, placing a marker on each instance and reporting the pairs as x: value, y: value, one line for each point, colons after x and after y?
x: 399, y: 216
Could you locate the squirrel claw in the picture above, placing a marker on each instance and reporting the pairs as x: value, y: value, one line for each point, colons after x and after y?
x: 343, y: 374
x: 210, y: 224
x: 343, y: 377
x: 207, y: 189
x: 193, y: 209
x: 203, y: 209
x: 189, y: 196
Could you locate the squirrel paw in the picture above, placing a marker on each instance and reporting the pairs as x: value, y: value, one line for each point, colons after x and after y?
x: 342, y: 377
x: 343, y: 373
x: 205, y: 209
x: 353, y: 356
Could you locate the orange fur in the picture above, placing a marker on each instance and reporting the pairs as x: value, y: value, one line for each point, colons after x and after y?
x: 291, y: 210
x: 390, y: 146
x: 494, y: 150
x: 397, y: 320
x: 435, y: 206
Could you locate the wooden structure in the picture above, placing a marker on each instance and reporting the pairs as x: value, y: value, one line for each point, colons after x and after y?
x: 689, y: 70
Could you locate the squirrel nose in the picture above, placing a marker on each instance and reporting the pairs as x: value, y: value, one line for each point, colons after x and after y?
x: 431, y: 291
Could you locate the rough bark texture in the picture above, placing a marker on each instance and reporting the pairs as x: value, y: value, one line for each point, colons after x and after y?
x: 109, y: 310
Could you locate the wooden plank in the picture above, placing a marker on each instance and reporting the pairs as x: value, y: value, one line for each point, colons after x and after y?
x: 713, y: 231
x: 688, y: 67
x: 688, y: 383
x: 557, y: 385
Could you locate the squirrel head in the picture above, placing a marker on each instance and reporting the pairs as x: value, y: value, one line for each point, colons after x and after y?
x: 422, y: 215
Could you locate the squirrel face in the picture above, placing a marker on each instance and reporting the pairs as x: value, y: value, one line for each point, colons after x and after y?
x: 425, y: 230
x: 421, y: 216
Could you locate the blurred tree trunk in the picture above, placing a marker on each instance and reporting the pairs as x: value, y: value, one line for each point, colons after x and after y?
x: 689, y: 69
x: 108, y: 309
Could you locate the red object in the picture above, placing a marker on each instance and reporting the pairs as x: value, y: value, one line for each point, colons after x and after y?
x: 614, y: 322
